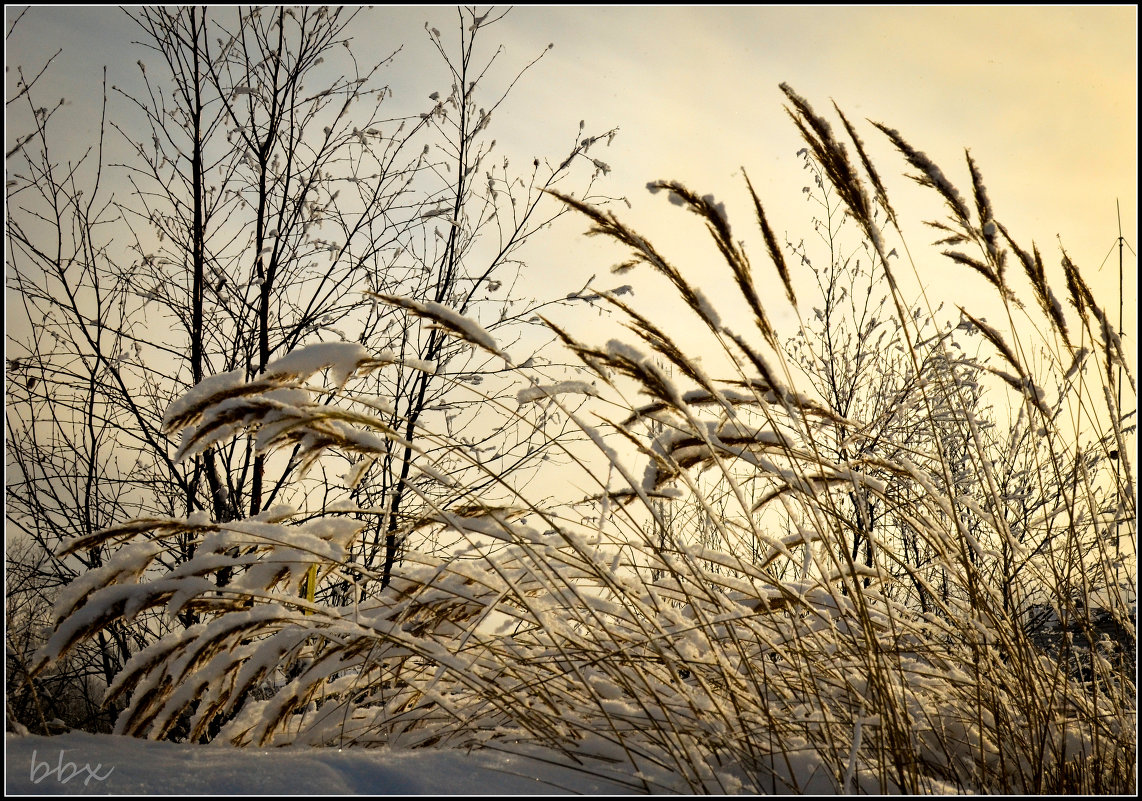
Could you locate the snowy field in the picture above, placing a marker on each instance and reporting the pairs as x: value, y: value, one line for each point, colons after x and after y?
x: 97, y: 764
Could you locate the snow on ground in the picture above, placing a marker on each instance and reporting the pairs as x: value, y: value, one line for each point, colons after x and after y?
x: 98, y: 764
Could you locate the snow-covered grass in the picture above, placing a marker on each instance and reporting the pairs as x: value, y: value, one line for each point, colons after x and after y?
x: 771, y: 655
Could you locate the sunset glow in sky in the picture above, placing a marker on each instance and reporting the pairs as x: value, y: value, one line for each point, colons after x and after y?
x: 1045, y: 98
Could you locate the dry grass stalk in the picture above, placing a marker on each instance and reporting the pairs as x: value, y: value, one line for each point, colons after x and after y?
x: 823, y: 621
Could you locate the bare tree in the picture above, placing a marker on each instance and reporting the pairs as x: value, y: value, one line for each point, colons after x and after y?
x: 856, y: 357
x: 273, y: 201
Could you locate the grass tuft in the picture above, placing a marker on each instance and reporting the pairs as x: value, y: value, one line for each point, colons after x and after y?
x: 915, y: 592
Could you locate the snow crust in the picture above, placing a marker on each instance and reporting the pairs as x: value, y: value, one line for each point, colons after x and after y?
x: 341, y: 358
x: 539, y: 392
x: 143, y: 767
x: 448, y: 318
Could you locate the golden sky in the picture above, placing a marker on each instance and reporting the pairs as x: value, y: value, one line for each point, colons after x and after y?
x: 1045, y: 97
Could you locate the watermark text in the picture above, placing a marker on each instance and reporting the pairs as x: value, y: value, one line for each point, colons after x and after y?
x: 64, y: 772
